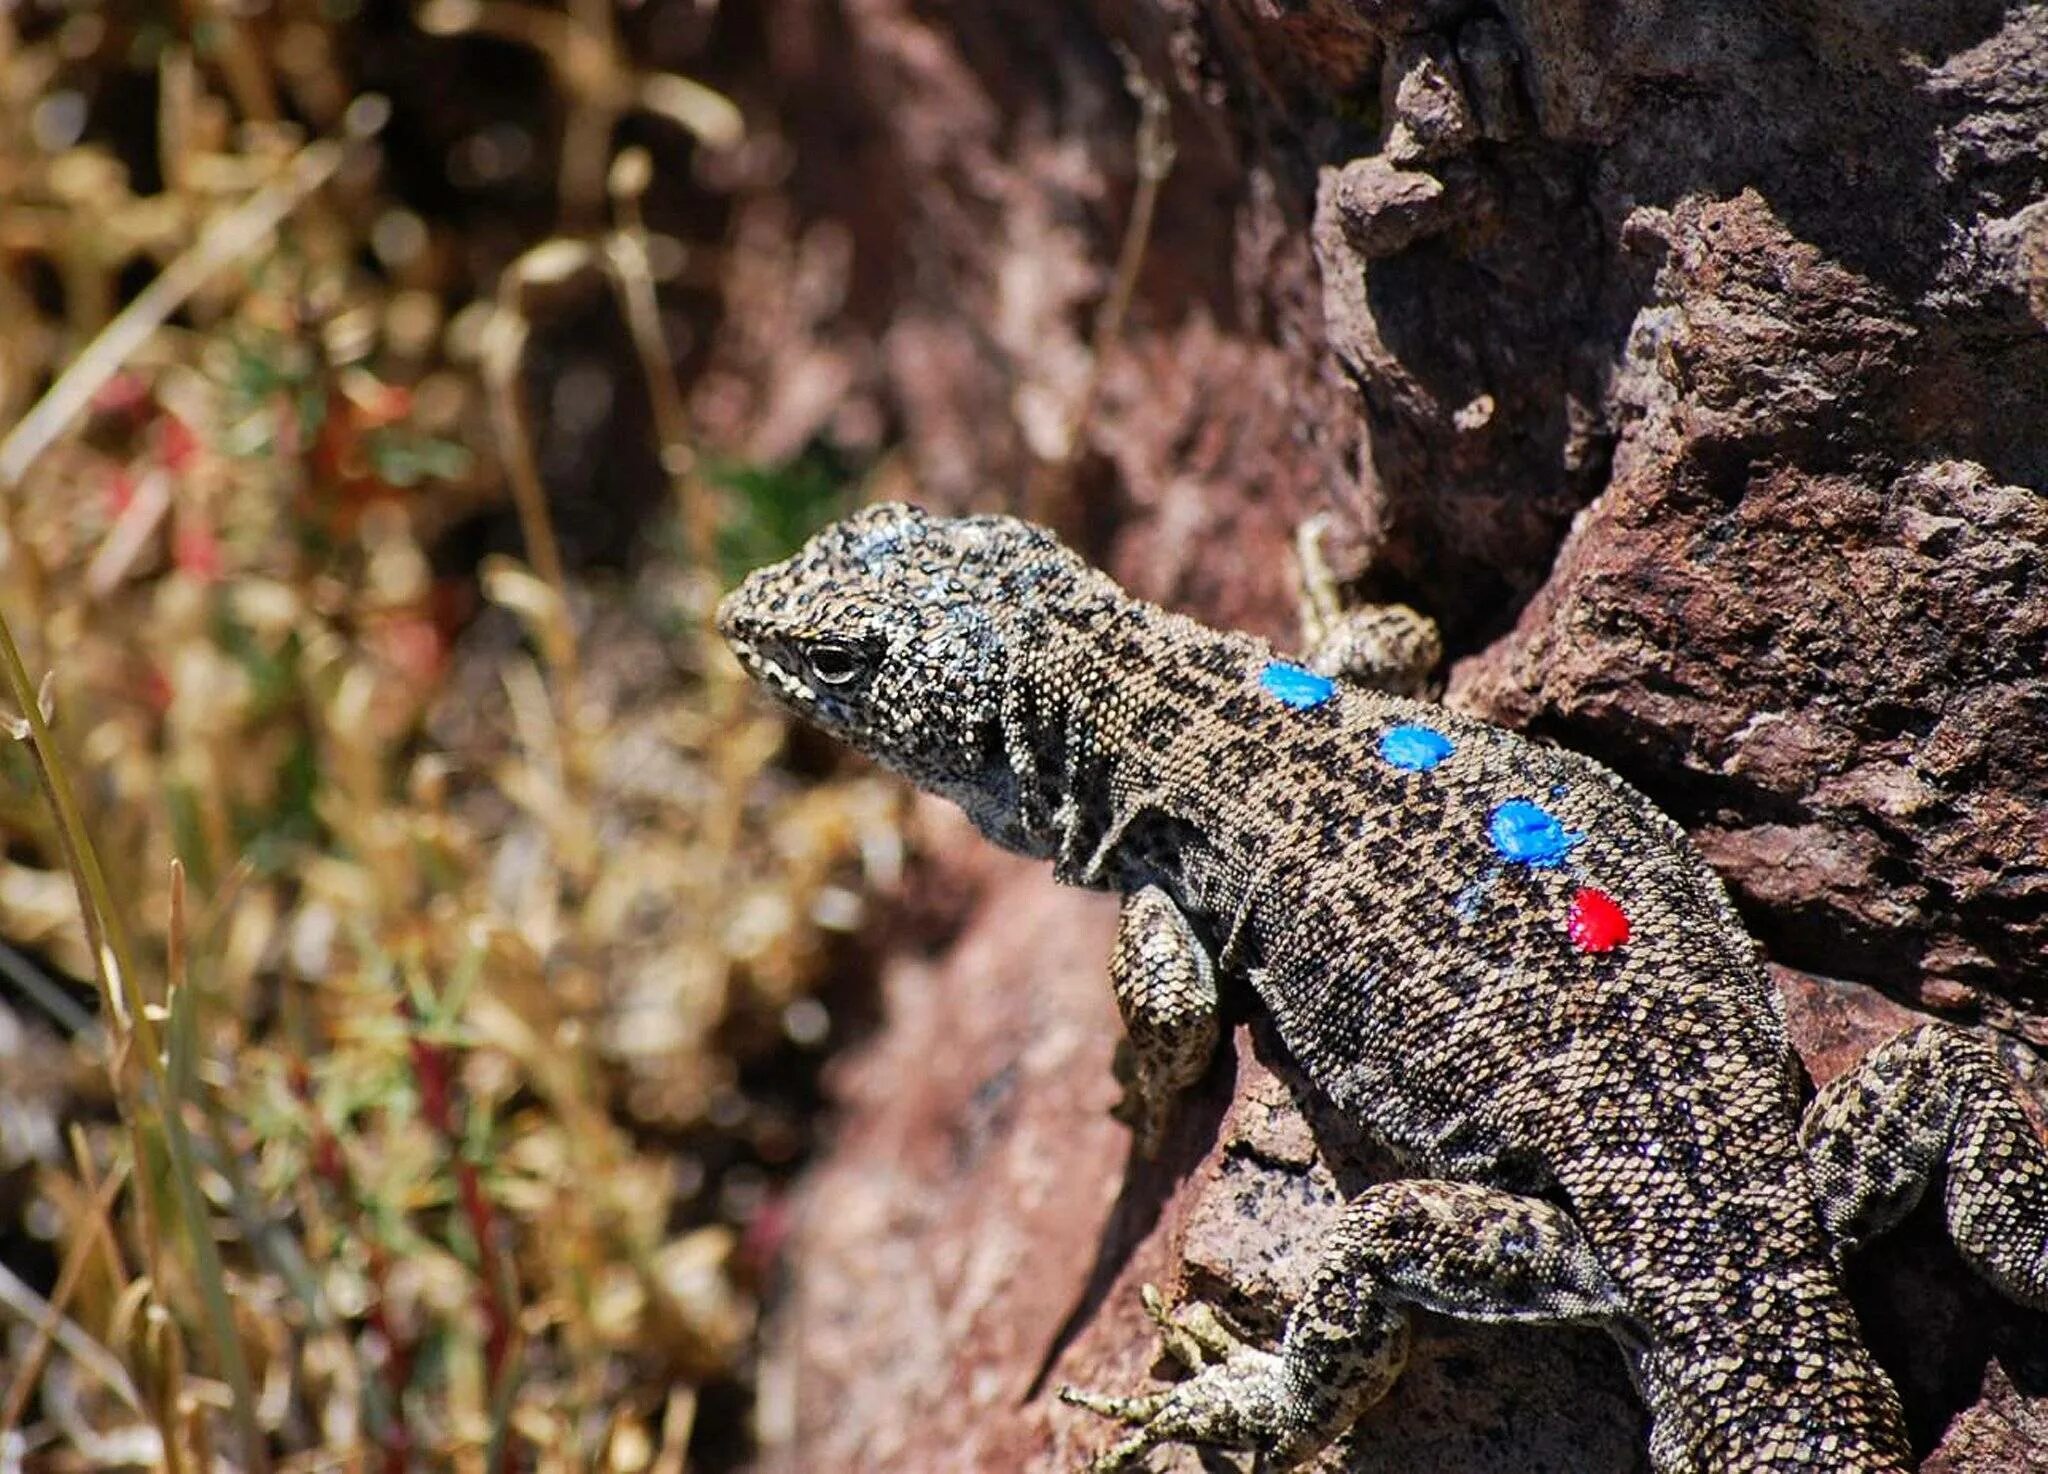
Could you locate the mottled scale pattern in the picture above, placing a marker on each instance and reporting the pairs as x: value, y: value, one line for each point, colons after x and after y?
x: 1935, y: 1096
x: 1165, y: 988
x: 1494, y: 955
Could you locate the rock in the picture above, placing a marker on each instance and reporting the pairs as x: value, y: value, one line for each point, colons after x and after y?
x: 1486, y: 56
x: 1863, y: 754
x: 2004, y: 1431
x: 950, y: 1233
x: 1431, y: 116
x: 1381, y: 209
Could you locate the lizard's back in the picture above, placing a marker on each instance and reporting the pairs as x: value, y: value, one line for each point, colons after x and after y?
x: 1507, y: 964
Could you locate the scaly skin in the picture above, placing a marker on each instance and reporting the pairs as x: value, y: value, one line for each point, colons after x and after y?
x: 1601, y: 1128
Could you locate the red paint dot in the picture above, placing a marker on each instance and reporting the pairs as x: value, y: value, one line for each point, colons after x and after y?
x: 1597, y: 923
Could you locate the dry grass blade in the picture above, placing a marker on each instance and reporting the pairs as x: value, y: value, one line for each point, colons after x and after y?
x: 235, y: 235
x: 177, y: 1084
x: 167, y: 1129
x: 626, y: 257
x: 120, y: 989
x: 1051, y: 490
x: 455, y: 971
x: 504, y: 352
x: 53, y: 1330
x: 678, y: 1418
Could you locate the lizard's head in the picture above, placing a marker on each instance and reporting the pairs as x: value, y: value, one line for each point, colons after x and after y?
x: 896, y: 631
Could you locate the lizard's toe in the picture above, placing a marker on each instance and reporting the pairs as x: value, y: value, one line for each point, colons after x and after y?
x: 1123, y: 1409
x: 1237, y: 1403
x: 1138, y: 1410
x: 1194, y: 1335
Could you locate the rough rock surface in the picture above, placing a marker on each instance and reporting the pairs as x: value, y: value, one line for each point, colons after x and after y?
x: 1686, y: 361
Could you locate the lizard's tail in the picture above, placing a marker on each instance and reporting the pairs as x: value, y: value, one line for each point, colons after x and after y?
x: 1814, y: 1404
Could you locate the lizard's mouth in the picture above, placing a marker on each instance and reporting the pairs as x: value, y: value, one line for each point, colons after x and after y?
x: 759, y: 658
x: 767, y: 670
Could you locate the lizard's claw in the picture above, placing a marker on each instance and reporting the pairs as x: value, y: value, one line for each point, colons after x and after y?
x: 1237, y: 1397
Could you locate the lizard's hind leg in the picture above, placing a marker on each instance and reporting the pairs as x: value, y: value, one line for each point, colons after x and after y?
x: 1454, y: 1248
x: 1935, y: 1097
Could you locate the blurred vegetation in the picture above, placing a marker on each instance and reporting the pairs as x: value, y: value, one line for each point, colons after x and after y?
x: 411, y: 951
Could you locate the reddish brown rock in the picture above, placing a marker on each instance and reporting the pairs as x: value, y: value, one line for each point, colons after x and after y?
x: 1846, y: 709
x: 2005, y: 1431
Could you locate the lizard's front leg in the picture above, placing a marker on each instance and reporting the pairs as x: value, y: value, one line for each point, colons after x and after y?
x: 1454, y: 1248
x: 1935, y: 1097
x: 1388, y: 647
x: 1165, y: 987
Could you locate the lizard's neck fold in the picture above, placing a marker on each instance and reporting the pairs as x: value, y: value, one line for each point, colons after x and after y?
x: 1049, y: 717
x: 1106, y: 703
x: 1085, y: 761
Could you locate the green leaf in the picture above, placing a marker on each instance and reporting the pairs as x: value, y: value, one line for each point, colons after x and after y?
x: 407, y: 460
x: 774, y: 508
x: 188, y: 835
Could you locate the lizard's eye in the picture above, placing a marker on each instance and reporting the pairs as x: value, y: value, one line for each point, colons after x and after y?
x: 836, y: 665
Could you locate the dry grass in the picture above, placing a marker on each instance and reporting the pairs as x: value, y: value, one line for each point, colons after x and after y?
x: 415, y: 1123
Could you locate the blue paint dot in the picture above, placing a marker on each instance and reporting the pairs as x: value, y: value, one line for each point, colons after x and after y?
x: 1529, y: 834
x: 1418, y: 749
x: 1299, y: 688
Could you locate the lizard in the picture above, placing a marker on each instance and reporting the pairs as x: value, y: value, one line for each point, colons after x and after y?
x: 1494, y: 955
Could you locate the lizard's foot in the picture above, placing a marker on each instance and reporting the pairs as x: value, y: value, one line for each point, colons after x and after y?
x: 1454, y: 1248
x: 1388, y: 647
x: 1240, y: 1403
x: 1238, y: 1397
x: 1195, y: 1334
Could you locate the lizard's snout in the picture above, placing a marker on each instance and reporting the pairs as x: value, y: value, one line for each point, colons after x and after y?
x: 738, y: 632
x: 733, y: 621
x: 745, y: 633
